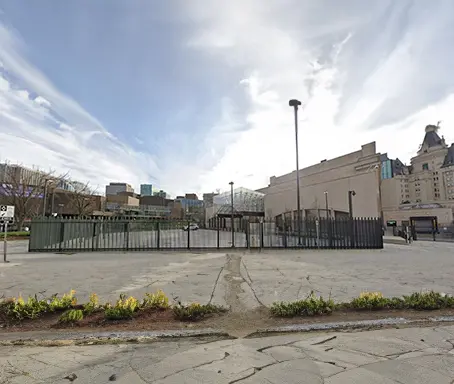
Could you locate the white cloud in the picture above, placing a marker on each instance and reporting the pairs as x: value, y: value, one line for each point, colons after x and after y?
x: 42, y: 101
x: 354, y: 77
x: 31, y: 133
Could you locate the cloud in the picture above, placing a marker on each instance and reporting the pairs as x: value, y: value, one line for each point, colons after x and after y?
x: 364, y: 71
x: 363, y: 74
x: 53, y: 131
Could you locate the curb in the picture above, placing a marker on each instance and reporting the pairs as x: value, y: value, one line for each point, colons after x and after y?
x: 349, y: 325
x: 48, y: 339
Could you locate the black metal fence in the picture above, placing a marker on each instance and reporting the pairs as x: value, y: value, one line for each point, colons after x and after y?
x: 75, y: 235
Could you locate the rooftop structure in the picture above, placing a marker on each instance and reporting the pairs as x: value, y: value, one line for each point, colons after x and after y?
x: 244, y: 201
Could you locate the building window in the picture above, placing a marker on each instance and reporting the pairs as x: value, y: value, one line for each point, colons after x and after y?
x: 425, y: 167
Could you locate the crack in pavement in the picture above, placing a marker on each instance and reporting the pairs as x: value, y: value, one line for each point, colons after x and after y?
x: 189, y: 368
x: 215, y: 285
x: 250, y: 283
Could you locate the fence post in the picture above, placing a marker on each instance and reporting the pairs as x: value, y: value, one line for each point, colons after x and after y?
x: 218, y: 224
x: 247, y: 231
x: 158, y: 236
x: 93, y: 237
x: 329, y: 224
x: 285, y: 234
x: 352, y: 235
x: 262, y: 240
x: 126, y: 230
x: 189, y: 234
x: 62, y: 235
x: 317, y: 231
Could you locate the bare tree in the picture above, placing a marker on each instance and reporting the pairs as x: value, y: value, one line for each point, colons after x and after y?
x: 26, y: 189
x: 81, y: 198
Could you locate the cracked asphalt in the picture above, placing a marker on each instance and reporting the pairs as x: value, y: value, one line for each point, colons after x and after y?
x: 242, y: 280
x: 409, y: 355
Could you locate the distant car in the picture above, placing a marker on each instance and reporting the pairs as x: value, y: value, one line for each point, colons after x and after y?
x: 191, y: 227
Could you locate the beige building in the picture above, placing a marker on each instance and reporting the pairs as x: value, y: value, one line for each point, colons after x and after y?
x: 116, y: 188
x: 332, y: 179
x: 425, y: 191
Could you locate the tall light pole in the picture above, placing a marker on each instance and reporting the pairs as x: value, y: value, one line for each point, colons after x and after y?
x: 295, y: 104
x: 233, y: 215
x: 326, y: 205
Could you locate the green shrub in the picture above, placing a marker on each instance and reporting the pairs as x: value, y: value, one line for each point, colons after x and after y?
x: 92, y: 305
x: 71, y: 316
x: 428, y: 301
x: 370, y: 300
x: 195, y: 311
x: 124, y: 308
x: 311, y: 306
x: 19, y: 309
x: 157, y: 300
x: 67, y: 301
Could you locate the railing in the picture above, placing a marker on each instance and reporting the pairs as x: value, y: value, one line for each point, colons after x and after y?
x: 74, y: 235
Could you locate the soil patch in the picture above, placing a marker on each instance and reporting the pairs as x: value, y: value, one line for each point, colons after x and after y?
x: 236, y: 324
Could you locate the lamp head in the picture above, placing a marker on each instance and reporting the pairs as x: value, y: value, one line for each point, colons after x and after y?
x: 294, y: 103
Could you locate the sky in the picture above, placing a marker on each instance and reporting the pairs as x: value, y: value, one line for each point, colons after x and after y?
x: 190, y: 95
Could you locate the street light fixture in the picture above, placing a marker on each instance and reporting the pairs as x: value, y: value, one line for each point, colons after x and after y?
x: 350, y: 203
x: 233, y: 216
x: 295, y: 104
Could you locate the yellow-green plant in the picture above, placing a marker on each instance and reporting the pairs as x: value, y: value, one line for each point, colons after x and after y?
x: 92, y: 305
x: 370, y: 300
x: 195, y: 311
x: 65, y: 302
x: 428, y: 301
x: 19, y: 309
x: 71, y: 316
x: 157, y: 300
x: 310, y: 306
x: 124, y: 308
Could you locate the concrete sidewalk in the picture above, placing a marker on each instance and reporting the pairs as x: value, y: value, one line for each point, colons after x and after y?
x: 410, y: 355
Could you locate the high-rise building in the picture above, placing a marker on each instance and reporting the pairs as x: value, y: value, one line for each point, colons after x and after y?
x: 208, y: 198
x: 116, y: 188
x: 146, y: 190
x: 161, y: 193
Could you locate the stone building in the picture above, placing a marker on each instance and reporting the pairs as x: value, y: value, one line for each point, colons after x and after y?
x: 324, y: 187
x: 425, y: 191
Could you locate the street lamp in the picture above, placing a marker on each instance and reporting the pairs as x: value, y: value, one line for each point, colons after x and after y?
x: 295, y: 104
x: 233, y: 216
x: 350, y: 203
x: 326, y: 205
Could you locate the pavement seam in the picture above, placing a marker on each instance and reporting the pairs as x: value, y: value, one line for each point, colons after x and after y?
x: 250, y: 284
x: 216, y: 284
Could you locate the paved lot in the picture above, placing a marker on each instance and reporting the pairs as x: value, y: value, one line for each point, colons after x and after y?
x: 399, y: 356
x: 239, y: 279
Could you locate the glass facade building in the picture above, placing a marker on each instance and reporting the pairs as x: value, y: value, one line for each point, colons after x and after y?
x: 146, y: 190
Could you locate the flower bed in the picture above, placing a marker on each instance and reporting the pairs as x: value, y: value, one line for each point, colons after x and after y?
x: 313, y: 305
x: 65, y: 311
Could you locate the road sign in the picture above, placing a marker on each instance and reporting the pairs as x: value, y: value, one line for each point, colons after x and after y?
x: 6, y: 211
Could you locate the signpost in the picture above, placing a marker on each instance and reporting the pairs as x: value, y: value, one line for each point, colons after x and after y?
x: 6, y: 217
